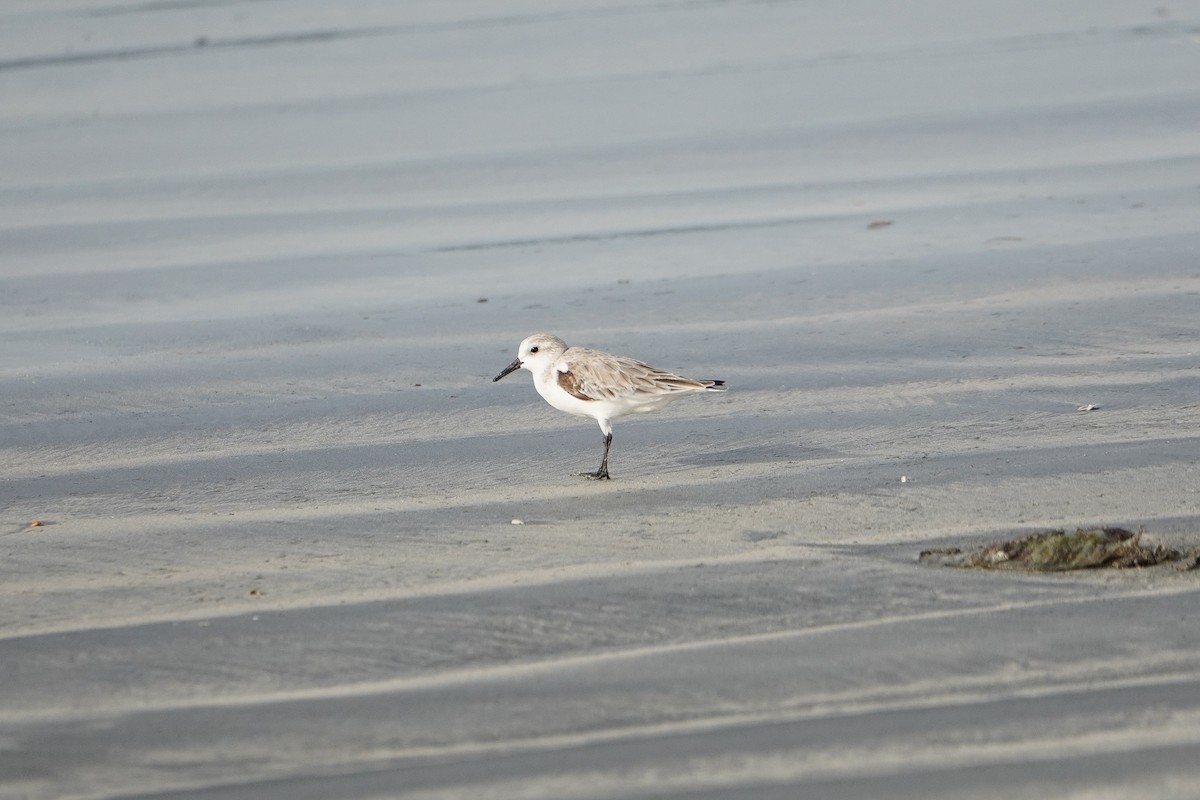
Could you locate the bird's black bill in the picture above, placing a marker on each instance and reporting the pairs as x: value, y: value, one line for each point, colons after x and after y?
x: 513, y: 367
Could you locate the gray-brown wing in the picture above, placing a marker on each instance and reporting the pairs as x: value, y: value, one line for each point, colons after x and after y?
x: 596, y: 375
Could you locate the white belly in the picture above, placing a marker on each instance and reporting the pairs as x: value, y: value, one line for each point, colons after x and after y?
x: 554, y: 394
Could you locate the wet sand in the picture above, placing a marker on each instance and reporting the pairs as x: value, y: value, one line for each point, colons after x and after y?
x: 260, y: 261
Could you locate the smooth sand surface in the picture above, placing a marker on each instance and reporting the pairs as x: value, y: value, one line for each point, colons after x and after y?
x: 259, y: 262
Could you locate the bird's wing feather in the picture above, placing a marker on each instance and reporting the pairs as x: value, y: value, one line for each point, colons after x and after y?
x: 595, y: 375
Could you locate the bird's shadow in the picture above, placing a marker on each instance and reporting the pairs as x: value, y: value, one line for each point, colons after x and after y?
x: 755, y: 454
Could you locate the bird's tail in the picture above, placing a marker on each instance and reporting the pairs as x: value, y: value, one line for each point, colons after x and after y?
x: 714, y: 386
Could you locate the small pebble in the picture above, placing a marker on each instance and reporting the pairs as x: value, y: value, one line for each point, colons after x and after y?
x: 518, y: 522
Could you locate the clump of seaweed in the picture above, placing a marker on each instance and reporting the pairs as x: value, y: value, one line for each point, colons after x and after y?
x: 1059, y: 551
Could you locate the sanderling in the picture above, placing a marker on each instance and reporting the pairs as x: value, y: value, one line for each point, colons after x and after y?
x: 591, y: 383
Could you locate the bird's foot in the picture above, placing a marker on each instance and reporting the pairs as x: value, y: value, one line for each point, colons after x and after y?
x: 598, y: 475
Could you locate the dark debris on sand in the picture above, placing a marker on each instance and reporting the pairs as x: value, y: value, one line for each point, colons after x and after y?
x: 1059, y: 551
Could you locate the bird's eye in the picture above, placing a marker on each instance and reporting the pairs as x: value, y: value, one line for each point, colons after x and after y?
x: 533, y: 349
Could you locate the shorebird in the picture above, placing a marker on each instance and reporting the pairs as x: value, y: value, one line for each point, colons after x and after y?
x: 592, y: 383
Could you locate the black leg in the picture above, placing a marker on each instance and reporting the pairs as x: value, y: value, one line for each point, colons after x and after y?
x: 602, y: 473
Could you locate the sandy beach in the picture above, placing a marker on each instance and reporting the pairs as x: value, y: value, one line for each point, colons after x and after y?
x: 260, y: 260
